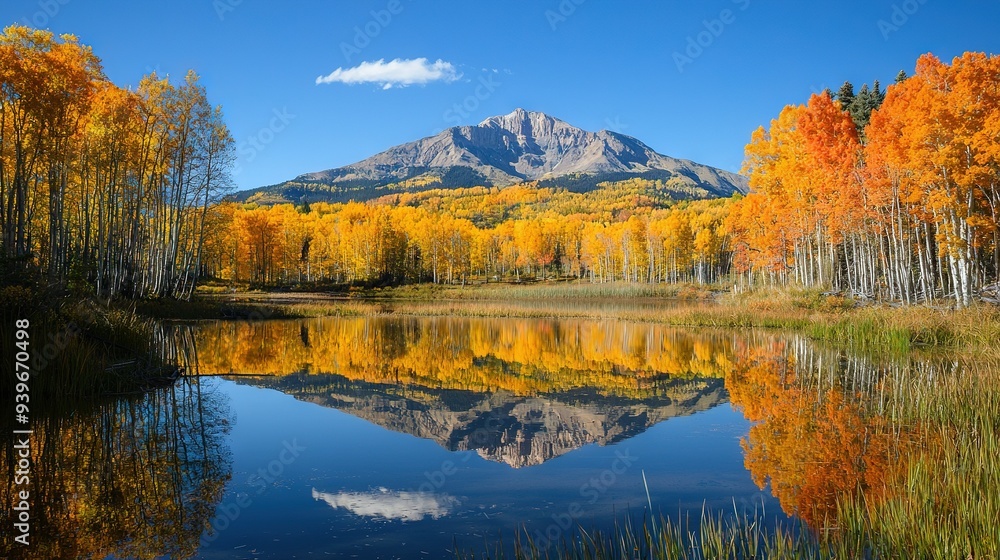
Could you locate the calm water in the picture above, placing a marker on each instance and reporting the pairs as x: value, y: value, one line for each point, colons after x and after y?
x: 404, y: 438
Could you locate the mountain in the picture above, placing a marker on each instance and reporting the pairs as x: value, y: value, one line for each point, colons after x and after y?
x: 500, y: 151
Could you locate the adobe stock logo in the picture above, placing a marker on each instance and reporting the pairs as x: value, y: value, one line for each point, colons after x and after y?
x: 256, y: 143
x: 698, y: 43
x: 228, y: 512
x: 365, y: 34
x: 901, y: 14
x: 223, y: 7
x: 47, y: 11
x: 592, y: 490
x: 562, y: 13
x: 460, y: 112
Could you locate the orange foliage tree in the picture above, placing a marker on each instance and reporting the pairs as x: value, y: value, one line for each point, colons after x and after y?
x: 911, y: 214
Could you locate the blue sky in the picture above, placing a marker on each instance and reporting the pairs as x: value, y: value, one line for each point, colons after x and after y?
x: 632, y: 66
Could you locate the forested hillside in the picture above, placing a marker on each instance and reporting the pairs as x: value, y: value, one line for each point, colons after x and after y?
x: 622, y: 232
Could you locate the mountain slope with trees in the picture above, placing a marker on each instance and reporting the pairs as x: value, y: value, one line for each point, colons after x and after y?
x: 503, y: 150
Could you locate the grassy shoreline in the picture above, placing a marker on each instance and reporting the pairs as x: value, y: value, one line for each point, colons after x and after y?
x: 80, y: 348
x: 868, y: 327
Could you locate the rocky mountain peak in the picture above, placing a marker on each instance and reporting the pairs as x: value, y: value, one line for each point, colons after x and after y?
x: 526, y: 124
x: 507, y: 149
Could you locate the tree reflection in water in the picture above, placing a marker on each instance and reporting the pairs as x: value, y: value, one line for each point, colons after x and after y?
x: 821, y: 431
x: 829, y: 425
x: 137, y: 477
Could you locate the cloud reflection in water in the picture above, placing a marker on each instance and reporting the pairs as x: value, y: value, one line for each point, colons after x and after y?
x: 391, y: 504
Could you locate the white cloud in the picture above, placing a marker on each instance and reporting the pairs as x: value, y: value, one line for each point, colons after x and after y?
x: 395, y: 73
x: 390, y: 504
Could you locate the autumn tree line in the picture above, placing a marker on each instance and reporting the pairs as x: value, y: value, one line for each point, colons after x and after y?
x: 103, y: 187
x: 364, y: 243
x: 633, y: 360
x: 885, y: 194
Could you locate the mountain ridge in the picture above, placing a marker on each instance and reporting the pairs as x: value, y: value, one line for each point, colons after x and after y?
x: 503, y: 150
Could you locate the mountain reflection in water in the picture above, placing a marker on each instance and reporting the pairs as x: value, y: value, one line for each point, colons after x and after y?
x: 520, y: 392
x: 524, y: 391
x: 517, y: 430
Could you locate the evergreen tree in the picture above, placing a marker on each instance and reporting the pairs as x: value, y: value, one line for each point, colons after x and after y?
x: 859, y: 107
x: 862, y: 104
x: 874, y: 101
x: 845, y: 95
x: 901, y: 77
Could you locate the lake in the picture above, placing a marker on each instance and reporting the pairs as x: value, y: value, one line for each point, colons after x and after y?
x: 390, y: 437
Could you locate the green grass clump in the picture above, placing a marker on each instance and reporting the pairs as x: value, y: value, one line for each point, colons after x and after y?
x: 741, y: 536
x: 946, y: 503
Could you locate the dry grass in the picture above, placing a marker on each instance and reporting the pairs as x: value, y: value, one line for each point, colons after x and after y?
x: 551, y: 290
